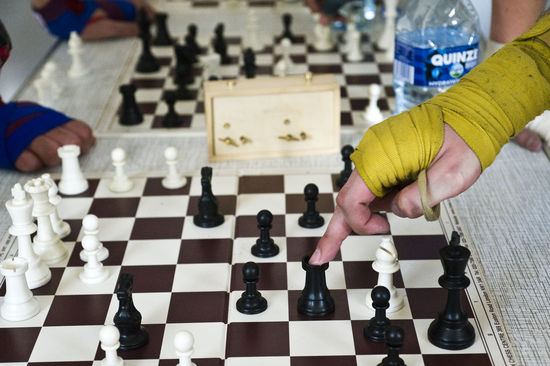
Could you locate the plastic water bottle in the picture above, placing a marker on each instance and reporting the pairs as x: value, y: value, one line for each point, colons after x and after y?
x: 436, y: 42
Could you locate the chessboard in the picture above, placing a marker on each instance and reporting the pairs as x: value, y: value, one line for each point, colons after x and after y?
x: 354, y: 78
x: 186, y: 277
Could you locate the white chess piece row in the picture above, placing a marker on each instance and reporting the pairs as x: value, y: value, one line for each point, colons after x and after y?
x: 109, y: 337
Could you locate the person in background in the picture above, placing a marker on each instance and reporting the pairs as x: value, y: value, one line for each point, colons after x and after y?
x: 91, y: 19
x: 509, y: 19
x: 451, y: 138
x: 30, y: 134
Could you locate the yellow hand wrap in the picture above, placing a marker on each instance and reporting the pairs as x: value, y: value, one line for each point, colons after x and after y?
x: 490, y: 105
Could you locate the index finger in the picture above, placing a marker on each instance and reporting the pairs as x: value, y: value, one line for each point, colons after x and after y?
x: 337, y: 231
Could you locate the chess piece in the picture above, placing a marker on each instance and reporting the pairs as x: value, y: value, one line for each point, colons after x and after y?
x: 93, y: 271
x: 315, y: 300
x: 46, y: 86
x: 171, y: 118
x: 19, y: 303
x: 72, y: 180
x: 147, y: 62
x: 90, y: 227
x: 287, y: 22
x: 252, y: 39
x: 60, y: 227
x: 120, y: 182
x: 76, y: 50
x: 208, y: 215
x: 373, y: 115
x: 129, y: 111
x: 394, y: 342
x: 183, y: 344
x: 162, y: 37
x: 220, y: 44
x: 386, y: 264
x: 323, y: 35
x: 20, y: 211
x: 128, y: 319
x: 283, y: 66
x: 173, y: 179
x: 387, y: 38
x: 251, y: 301
x: 184, y: 64
x: 311, y: 218
x: 191, y: 40
x: 41, y: 86
x: 451, y: 329
x: 376, y: 329
x: 347, y: 150
x: 109, y: 338
x: 353, y: 46
x: 265, y: 247
x: 46, y: 242
x: 249, y: 63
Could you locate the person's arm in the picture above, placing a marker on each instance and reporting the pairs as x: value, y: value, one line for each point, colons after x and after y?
x: 454, y: 135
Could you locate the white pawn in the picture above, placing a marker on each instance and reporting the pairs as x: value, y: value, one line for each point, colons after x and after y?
x: 41, y: 87
x: 120, y: 183
x: 353, y: 46
x: 109, y: 337
x: 19, y: 303
x: 90, y: 227
x: 20, y: 210
x: 183, y: 343
x: 323, y: 35
x: 373, y: 115
x: 173, y: 179
x: 72, y: 180
x: 46, y: 242
x: 93, y: 271
x: 76, y: 50
x: 350, y: 28
x: 387, y: 38
x: 283, y: 66
x: 386, y: 264
x: 60, y: 227
x: 48, y: 74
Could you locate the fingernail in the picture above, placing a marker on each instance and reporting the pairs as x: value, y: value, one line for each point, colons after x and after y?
x: 315, y: 258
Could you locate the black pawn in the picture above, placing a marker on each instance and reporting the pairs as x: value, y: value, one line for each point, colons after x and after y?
x: 220, y: 44
x: 249, y: 63
x: 162, y: 37
x: 347, y: 150
x: 147, y: 62
x: 311, y: 218
x: 265, y: 247
x: 451, y: 329
x: 287, y: 22
x: 129, y: 112
x: 171, y: 119
x: 315, y: 300
x: 208, y: 215
x: 184, y: 65
x: 394, y: 342
x: 128, y: 319
x: 251, y: 301
x: 376, y: 330
x: 191, y: 40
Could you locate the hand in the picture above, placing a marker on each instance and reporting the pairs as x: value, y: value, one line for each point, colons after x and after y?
x: 325, y: 19
x: 42, y: 151
x: 529, y: 140
x: 454, y: 169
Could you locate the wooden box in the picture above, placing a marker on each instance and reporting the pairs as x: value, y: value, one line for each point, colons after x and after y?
x: 272, y: 116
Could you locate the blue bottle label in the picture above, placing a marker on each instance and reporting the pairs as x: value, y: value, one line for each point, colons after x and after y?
x: 440, y: 67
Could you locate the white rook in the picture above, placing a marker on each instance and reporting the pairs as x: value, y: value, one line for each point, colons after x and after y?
x: 46, y: 242
x: 19, y: 303
x: 20, y: 210
x: 72, y: 180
